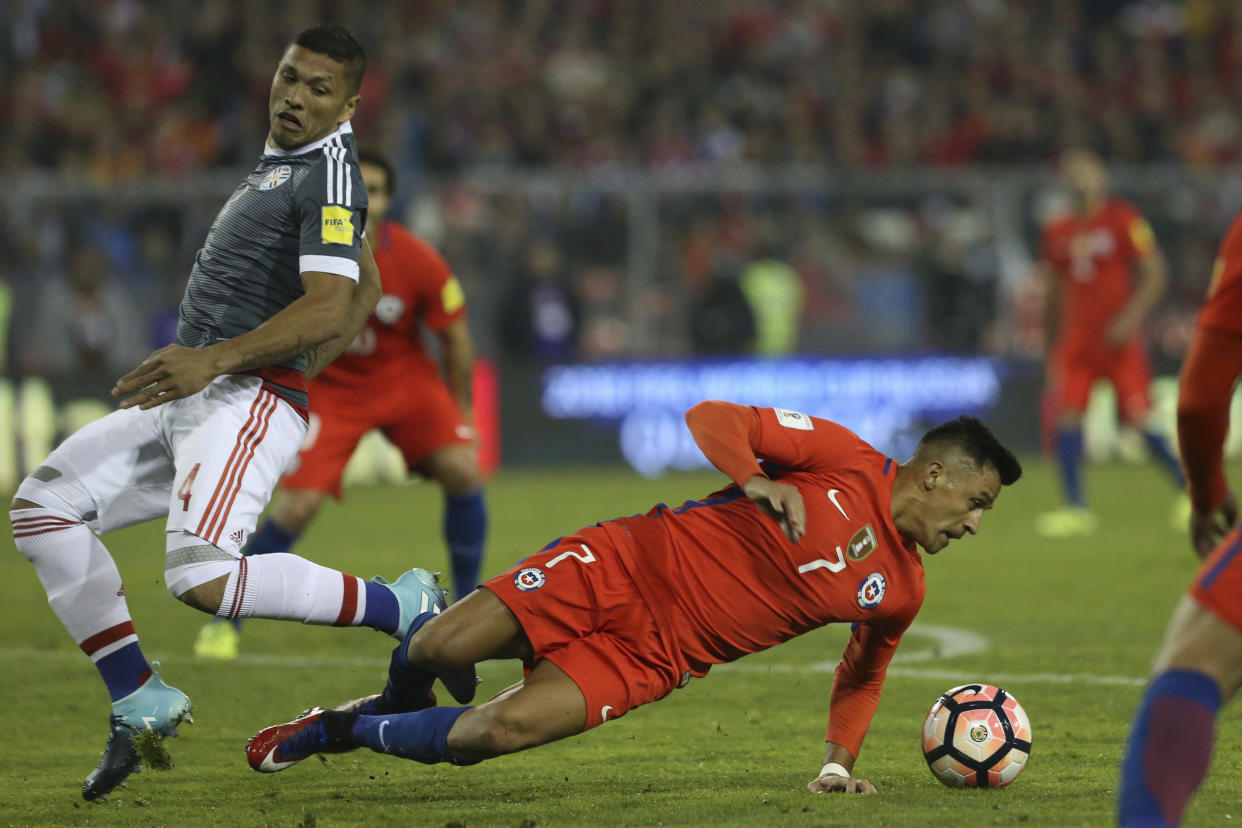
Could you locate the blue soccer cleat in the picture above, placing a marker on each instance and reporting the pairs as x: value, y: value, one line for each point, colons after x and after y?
x: 153, y: 706
x: 418, y: 591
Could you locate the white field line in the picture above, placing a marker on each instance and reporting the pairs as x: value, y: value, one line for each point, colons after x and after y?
x: 947, y: 642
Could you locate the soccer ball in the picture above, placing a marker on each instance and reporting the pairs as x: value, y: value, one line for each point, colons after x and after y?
x: 976, y: 736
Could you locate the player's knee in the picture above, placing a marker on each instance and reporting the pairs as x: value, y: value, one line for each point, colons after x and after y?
x: 196, y: 572
x: 433, y: 648
x: 296, y: 508
x: 204, y: 597
x: 459, y: 475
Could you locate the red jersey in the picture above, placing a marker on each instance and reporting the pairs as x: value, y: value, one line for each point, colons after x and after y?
x: 1209, y: 372
x: 1223, y: 306
x: 1093, y: 258
x: 417, y: 286
x: 723, y: 581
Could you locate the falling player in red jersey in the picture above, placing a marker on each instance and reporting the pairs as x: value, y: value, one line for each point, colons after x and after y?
x: 1097, y: 310
x: 623, y: 612
x: 1199, y: 666
x: 386, y: 380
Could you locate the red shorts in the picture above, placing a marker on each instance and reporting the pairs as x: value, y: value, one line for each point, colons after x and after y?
x: 1218, y: 585
x: 1074, y: 370
x: 581, y: 611
x: 418, y: 418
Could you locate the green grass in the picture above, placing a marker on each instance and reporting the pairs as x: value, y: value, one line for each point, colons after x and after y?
x: 735, y: 748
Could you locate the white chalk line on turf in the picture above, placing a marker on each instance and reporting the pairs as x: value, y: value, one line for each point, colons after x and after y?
x: 947, y: 642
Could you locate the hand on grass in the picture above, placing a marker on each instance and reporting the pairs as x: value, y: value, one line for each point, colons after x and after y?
x: 831, y: 783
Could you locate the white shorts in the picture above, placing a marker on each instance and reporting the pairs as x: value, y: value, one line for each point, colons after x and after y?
x: 208, y: 462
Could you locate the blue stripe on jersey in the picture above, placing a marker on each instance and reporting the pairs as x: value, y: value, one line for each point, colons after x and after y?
x: 711, y: 501
x: 1214, y: 572
x: 888, y: 461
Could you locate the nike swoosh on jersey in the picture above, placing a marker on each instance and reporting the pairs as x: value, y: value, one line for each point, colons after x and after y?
x: 832, y: 495
x: 603, y: 713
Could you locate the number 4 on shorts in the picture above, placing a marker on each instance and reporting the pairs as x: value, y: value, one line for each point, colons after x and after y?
x: 183, y: 494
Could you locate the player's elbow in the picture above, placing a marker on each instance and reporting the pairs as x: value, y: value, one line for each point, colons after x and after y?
x: 697, y: 412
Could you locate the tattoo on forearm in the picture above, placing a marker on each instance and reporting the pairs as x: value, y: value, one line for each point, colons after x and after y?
x: 317, y: 359
x: 271, y: 356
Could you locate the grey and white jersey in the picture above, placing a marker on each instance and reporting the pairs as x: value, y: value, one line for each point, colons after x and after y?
x: 297, y: 211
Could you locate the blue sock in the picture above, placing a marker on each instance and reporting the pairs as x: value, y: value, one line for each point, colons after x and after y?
x: 465, y: 528
x: 383, y: 612
x: 270, y: 538
x: 124, y: 671
x: 1069, y: 455
x: 407, y: 684
x: 421, y: 736
x: 1159, y: 447
x: 1169, y: 748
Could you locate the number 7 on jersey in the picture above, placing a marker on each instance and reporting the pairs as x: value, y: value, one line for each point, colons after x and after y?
x: 586, y: 556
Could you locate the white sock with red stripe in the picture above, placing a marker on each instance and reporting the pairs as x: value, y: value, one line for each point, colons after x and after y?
x: 84, y: 590
x: 287, y: 587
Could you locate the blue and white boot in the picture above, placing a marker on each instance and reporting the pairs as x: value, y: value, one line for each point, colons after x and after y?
x: 417, y: 591
x: 153, y: 706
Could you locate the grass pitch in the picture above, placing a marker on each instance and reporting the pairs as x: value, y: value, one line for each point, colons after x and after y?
x: 1068, y: 627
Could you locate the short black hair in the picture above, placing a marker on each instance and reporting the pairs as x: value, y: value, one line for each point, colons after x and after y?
x: 978, y: 443
x: 337, y: 43
x: 370, y: 156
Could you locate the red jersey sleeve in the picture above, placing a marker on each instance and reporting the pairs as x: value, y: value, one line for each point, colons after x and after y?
x: 441, y: 300
x: 860, y: 676
x: 1049, y: 251
x: 732, y: 436
x: 1135, y: 234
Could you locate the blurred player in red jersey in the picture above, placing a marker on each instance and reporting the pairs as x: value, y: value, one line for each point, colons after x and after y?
x: 1199, y: 666
x: 1096, y: 311
x: 386, y: 380
x: 621, y: 613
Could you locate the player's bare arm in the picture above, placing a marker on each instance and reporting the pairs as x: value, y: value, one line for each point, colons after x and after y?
x: 456, y: 361
x: 1153, y: 276
x: 361, y: 302
x: 1052, y: 303
x: 174, y: 372
x: 837, y: 774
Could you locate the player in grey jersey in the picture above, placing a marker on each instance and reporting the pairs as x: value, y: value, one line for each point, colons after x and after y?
x: 282, y: 284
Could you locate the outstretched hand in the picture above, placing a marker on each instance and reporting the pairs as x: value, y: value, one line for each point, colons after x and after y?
x: 831, y: 783
x: 1207, y: 528
x: 169, y: 374
x: 781, y: 502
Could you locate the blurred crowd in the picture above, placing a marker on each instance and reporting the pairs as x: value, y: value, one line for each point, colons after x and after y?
x: 122, y: 88
x: 116, y: 94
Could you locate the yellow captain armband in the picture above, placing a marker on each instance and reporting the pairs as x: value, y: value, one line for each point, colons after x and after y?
x: 452, y: 297
x: 1141, y: 236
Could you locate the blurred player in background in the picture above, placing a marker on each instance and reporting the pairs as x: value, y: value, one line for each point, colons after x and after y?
x: 282, y: 284
x: 1199, y: 666
x: 1096, y: 311
x: 622, y: 612
x: 386, y: 380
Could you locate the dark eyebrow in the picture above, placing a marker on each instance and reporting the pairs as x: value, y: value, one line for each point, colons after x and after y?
x: 312, y: 79
x: 987, y: 499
